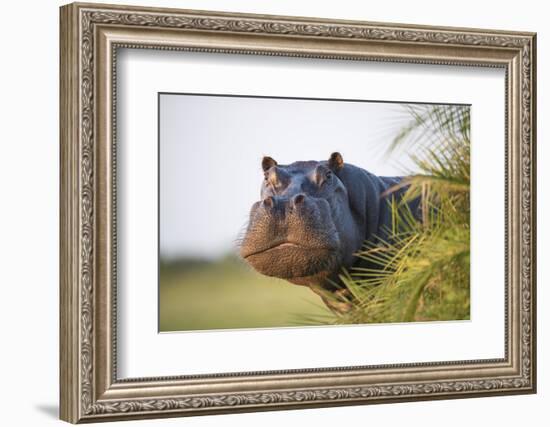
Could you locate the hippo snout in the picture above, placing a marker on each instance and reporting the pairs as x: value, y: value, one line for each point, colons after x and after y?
x: 291, y: 236
x: 283, y: 205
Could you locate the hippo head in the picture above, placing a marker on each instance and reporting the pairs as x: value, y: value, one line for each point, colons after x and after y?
x: 303, y: 228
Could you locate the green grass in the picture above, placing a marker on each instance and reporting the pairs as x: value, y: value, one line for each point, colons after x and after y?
x: 226, y: 294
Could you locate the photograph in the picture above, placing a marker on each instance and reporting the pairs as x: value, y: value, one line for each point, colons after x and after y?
x: 301, y: 212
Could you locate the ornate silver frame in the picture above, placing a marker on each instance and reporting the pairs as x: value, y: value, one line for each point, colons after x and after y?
x: 90, y: 36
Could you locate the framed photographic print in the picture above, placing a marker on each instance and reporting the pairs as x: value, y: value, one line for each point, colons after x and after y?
x: 266, y: 212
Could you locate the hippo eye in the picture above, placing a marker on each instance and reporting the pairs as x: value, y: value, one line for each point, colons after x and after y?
x: 322, y: 176
x: 328, y: 176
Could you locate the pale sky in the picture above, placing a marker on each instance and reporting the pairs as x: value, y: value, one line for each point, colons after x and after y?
x: 211, y: 148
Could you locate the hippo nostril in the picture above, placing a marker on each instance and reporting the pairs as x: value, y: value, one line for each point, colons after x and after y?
x: 268, y: 202
x: 298, y: 199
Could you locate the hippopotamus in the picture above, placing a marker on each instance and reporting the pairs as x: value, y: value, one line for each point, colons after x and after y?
x: 311, y: 220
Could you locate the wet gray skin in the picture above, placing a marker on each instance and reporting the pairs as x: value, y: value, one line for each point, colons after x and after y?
x: 313, y: 216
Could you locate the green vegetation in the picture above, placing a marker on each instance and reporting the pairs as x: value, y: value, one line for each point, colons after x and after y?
x: 227, y: 294
x: 422, y: 272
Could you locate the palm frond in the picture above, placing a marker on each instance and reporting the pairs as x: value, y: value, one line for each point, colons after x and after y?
x: 421, y: 271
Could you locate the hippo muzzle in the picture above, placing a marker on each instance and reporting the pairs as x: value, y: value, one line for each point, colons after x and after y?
x: 292, y: 237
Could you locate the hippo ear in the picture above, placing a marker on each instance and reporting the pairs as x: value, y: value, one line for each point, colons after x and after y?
x: 336, y: 161
x: 267, y: 163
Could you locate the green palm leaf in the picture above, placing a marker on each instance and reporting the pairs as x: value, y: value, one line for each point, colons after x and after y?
x: 422, y: 271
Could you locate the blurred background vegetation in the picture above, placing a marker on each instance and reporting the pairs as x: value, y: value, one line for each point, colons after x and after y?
x: 226, y: 294
x: 422, y: 272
